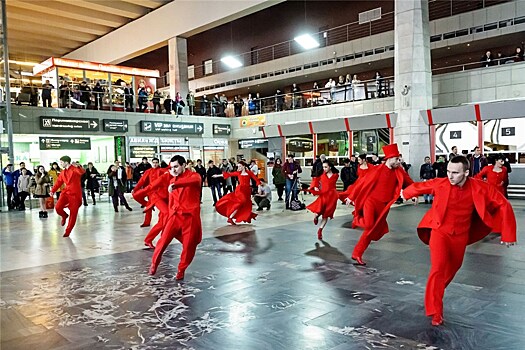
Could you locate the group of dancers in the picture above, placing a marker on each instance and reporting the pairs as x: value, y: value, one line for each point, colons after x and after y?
x: 464, y: 211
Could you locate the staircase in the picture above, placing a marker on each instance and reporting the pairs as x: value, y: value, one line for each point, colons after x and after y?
x: 516, y: 191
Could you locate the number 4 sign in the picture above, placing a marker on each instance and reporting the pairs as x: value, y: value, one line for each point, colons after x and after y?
x: 455, y: 134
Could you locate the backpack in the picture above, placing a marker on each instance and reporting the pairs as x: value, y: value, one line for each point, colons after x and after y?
x: 296, y: 205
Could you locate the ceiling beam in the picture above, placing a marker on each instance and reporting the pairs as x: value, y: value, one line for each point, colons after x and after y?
x: 43, y: 31
x: 53, y: 38
x: 119, y: 8
x: 67, y: 10
x: 152, y: 4
x: 44, y: 19
x: 39, y: 44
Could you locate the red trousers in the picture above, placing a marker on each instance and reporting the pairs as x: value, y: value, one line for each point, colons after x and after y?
x: 71, y: 201
x: 163, y: 216
x: 140, y: 197
x: 446, y: 256
x: 371, y: 214
x: 183, y: 228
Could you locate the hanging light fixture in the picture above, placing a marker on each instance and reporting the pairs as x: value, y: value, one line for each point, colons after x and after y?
x: 231, y: 62
x: 306, y: 41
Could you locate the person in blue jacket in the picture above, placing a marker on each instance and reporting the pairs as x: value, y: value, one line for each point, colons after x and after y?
x: 9, y: 182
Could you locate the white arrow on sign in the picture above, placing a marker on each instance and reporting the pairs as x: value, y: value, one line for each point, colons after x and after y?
x: 199, y: 128
x: 94, y: 124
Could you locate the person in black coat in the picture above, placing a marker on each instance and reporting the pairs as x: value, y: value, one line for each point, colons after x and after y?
x: 440, y: 166
x: 141, y: 168
x: 348, y: 174
x: 427, y: 172
x: 214, y: 183
x: 201, y: 170
x: 92, y: 184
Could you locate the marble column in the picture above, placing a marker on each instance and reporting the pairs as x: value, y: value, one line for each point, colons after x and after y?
x: 178, y: 67
x: 413, y: 80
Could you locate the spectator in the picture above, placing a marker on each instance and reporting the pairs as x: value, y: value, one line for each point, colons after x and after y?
x: 204, y: 105
x: 215, y: 106
x: 47, y: 87
x: 291, y: 170
x: 157, y: 95
x: 179, y: 103
x: 223, y: 102
x: 296, y: 96
x: 348, y: 173
x: 348, y: 79
x: 63, y: 94
x: 201, y: 170
x: 341, y: 81
x: 477, y: 162
x: 258, y: 103
x: 227, y: 182
x: 237, y: 105
x: 140, y: 169
x: 16, y: 175
x: 190, y: 100
x: 234, y: 179
x: 454, y: 152
x: 278, y: 178
x: 317, y: 167
x: 128, y: 97
x: 53, y: 175
x: 42, y: 188
x: 92, y: 184
x: 9, y: 182
x: 331, y: 85
x: 117, y: 185
x: 85, y: 94
x: 23, y: 184
x: 315, y: 86
x: 263, y: 197
x: 214, y: 183
x: 403, y: 163
x: 518, y: 54
x: 255, y: 170
x: 427, y: 172
x: 142, y: 97
x: 375, y: 159
x: 279, y: 101
x: 98, y: 92
x: 251, y: 105
x: 500, y: 59
x: 440, y: 166
x: 168, y: 105
x: 379, y: 85
x: 487, y: 60
x: 129, y: 177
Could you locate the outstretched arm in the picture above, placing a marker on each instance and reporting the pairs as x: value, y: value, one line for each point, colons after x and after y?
x: 418, y: 188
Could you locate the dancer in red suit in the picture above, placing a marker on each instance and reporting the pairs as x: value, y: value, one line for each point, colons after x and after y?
x: 71, y: 196
x: 238, y: 204
x: 184, y: 221
x: 324, y: 187
x: 496, y: 174
x: 147, y: 178
x: 161, y: 201
x: 373, y: 195
x: 465, y: 210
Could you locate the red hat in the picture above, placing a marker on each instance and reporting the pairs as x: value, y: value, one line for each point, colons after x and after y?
x: 391, y: 151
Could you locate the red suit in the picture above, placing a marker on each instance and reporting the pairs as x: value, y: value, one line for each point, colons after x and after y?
x: 373, y: 195
x: 70, y: 197
x: 184, y: 221
x: 147, y: 178
x: 360, y: 173
x: 326, y: 201
x: 239, y: 201
x: 459, y: 216
x: 498, y: 179
x: 157, y: 192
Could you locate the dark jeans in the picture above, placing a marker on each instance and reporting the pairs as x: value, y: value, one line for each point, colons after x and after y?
x: 115, y: 198
x: 157, y: 108
x: 84, y: 198
x: 346, y: 184
x: 46, y: 101
x: 226, y: 189
x: 215, y: 188
x: 10, y: 190
x: 262, y: 202
x: 129, y: 104
x: 22, y: 199
x: 129, y: 185
x: 280, y: 190
x: 291, y: 189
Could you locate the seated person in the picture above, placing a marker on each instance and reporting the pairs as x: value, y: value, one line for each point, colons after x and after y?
x: 263, y: 197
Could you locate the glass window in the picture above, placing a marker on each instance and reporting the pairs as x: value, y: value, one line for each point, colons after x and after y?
x: 334, y: 145
x: 302, y: 147
x: 371, y: 141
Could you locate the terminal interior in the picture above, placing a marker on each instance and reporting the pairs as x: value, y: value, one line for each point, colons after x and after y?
x: 218, y: 80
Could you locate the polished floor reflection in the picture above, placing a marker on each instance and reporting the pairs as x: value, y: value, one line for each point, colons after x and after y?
x: 270, y: 285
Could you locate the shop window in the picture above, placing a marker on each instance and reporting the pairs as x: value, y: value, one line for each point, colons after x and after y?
x: 302, y: 147
x: 370, y: 141
x: 208, y: 67
x: 191, y: 72
x: 334, y: 145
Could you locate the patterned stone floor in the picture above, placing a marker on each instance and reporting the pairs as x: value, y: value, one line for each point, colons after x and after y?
x: 270, y: 285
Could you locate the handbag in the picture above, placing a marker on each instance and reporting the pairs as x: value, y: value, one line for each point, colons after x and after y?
x: 50, y: 203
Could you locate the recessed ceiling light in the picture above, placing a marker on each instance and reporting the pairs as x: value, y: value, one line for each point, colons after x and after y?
x: 306, y: 41
x: 231, y: 62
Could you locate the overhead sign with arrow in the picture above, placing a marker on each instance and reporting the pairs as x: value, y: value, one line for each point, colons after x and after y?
x: 75, y: 124
x: 115, y: 125
x: 59, y: 143
x: 222, y: 129
x: 152, y: 127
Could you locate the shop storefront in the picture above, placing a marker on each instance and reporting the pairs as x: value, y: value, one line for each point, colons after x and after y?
x: 107, y: 87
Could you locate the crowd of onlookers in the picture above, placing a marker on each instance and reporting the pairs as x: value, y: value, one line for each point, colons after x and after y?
x: 489, y: 60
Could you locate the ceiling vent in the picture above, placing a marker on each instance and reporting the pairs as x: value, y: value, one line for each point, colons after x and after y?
x: 369, y: 16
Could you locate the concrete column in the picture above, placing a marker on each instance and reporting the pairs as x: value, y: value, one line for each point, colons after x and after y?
x: 178, y: 65
x: 413, y: 80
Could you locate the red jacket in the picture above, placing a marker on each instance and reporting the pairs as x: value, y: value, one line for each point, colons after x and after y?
x: 493, y: 212
x: 71, y: 177
x: 362, y: 189
x: 150, y: 176
x: 185, y: 198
